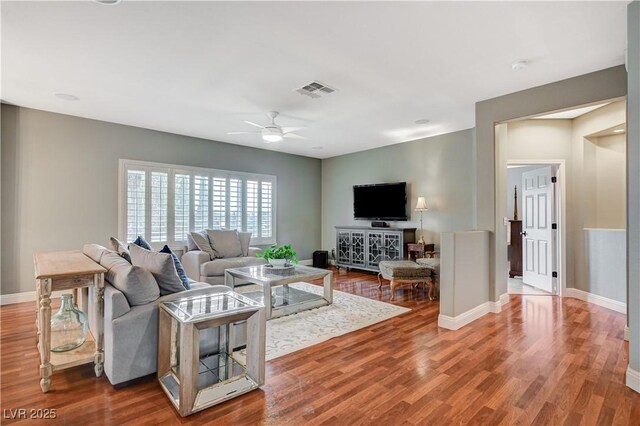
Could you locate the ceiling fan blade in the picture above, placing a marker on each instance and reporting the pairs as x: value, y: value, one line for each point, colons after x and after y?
x: 293, y: 136
x: 241, y: 133
x: 254, y: 124
x: 286, y: 130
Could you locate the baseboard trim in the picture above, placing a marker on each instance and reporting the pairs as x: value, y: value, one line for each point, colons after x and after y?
x: 27, y: 296
x: 605, y: 302
x: 306, y: 262
x: 504, y: 299
x: 633, y: 379
x: 459, y: 321
x: 626, y: 333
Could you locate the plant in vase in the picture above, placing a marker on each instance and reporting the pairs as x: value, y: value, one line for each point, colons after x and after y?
x: 279, y: 256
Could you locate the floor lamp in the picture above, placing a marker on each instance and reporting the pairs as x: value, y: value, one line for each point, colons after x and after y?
x: 421, y: 207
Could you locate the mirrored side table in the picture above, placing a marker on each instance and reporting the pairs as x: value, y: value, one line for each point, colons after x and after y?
x: 197, y: 365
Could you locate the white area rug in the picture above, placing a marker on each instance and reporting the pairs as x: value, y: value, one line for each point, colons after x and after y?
x: 347, y: 313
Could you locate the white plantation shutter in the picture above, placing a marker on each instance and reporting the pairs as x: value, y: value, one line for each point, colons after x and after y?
x: 163, y: 202
x: 182, y: 203
x: 266, y: 210
x: 201, y: 202
x: 252, y: 207
x: 235, y: 204
x: 159, y: 202
x: 219, y: 204
x: 136, y: 212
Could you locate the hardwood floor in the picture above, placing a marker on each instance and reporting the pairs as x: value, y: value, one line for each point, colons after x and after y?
x: 542, y: 361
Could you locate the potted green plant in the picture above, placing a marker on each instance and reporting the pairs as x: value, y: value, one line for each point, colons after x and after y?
x: 279, y: 256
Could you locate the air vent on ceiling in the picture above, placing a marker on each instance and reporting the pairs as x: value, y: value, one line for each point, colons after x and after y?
x: 315, y: 90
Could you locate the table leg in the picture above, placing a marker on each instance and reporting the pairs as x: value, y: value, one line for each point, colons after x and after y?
x: 267, y: 299
x: 74, y: 292
x: 328, y: 287
x: 229, y: 280
x: 98, y: 359
x: 44, y: 345
x: 189, y: 359
x: 37, y: 313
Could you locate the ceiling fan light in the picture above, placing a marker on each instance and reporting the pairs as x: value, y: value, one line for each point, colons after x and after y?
x: 272, y: 137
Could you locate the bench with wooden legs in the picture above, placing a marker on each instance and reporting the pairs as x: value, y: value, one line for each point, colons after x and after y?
x: 401, y: 272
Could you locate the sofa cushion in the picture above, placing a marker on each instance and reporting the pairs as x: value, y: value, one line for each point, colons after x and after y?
x: 201, y: 240
x: 225, y: 243
x: 400, y: 269
x: 218, y: 266
x: 120, y: 248
x: 160, y: 265
x: 186, y: 282
x: 137, y: 284
x: 94, y: 251
x: 245, y: 242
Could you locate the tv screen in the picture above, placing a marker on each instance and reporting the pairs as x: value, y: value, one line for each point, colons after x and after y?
x: 384, y: 201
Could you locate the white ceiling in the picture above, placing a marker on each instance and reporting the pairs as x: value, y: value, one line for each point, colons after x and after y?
x: 201, y: 68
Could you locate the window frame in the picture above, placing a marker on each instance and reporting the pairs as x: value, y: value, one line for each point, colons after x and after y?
x: 172, y: 169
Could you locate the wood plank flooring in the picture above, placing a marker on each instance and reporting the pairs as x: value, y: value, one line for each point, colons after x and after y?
x: 543, y: 361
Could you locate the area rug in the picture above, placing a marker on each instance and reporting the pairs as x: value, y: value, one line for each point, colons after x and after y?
x: 347, y: 313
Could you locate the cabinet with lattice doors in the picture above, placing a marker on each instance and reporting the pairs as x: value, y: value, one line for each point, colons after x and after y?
x: 365, y: 247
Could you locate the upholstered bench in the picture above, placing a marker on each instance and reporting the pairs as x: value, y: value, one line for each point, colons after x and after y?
x: 405, y: 272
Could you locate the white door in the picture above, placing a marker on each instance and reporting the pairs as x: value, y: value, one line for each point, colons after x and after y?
x: 537, y: 249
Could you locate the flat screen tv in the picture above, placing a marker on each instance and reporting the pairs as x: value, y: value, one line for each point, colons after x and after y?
x: 383, y: 201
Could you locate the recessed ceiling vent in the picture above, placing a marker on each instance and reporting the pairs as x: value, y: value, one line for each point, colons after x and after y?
x: 315, y: 90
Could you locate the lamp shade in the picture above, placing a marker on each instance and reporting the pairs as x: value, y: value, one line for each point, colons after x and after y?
x: 421, y: 205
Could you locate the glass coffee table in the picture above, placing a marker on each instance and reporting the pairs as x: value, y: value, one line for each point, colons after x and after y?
x: 278, y: 297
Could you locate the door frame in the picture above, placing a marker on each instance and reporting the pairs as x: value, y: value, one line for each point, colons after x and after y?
x: 560, y: 213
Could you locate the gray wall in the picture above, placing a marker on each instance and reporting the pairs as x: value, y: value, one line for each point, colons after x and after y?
x: 439, y: 168
x: 60, y: 183
x: 602, y: 85
x: 633, y: 187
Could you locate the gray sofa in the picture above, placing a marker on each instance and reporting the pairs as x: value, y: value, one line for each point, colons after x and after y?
x: 131, y: 333
x: 199, y: 266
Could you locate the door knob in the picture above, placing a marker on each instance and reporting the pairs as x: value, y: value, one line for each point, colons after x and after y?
x: 523, y: 233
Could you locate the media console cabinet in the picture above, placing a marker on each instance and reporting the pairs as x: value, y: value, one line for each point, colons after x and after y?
x: 364, y: 247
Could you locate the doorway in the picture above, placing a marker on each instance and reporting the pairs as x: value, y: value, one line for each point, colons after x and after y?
x: 590, y: 196
x: 533, y: 217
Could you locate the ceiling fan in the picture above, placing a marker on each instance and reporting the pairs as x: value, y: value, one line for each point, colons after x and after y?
x: 272, y: 132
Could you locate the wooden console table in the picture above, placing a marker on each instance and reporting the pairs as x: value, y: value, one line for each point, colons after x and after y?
x: 67, y: 270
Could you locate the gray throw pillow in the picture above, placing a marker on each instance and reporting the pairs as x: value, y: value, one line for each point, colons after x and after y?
x: 137, y: 284
x: 245, y: 242
x: 160, y: 265
x: 201, y: 240
x: 121, y: 248
x: 225, y: 244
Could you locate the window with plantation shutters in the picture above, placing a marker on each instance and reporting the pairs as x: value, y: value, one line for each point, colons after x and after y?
x: 163, y: 202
